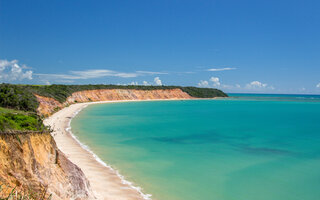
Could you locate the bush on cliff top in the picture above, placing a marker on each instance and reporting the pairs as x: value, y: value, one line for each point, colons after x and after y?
x: 20, y: 96
x: 18, y: 120
x: 17, y: 97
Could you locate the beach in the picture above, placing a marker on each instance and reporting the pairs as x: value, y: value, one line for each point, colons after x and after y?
x: 210, y: 149
x: 185, y: 152
x: 105, y: 182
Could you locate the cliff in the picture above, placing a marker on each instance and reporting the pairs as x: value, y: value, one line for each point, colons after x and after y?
x: 49, y: 105
x: 23, y: 97
x: 32, y: 162
x: 118, y: 94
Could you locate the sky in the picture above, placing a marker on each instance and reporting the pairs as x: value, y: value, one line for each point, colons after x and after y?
x: 270, y: 46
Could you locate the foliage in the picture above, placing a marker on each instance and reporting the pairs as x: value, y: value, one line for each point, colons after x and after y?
x: 17, y: 97
x: 203, y: 92
x: 8, y: 193
x: 21, y: 93
x: 18, y: 120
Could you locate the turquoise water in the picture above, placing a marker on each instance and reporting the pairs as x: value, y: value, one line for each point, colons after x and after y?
x: 247, y: 147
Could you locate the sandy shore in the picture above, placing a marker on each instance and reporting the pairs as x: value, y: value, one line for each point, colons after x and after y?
x: 105, y: 182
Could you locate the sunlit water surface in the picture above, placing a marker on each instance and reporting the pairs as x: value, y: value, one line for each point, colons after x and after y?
x: 247, y: 147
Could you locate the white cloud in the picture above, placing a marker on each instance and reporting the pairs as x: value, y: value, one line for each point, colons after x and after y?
x: 95, y: 73
x: 157, y: 81
x: 252, y: 86
x: 134, y: 83
x: 150, y: 73
x: 257, y: 85
x: 318, y: 86
x: 145, y: 83
x: 203, y: 83
x: 216, y: 81
x: 221, y: 69
x: 12, y: 71
x: 89, y: 74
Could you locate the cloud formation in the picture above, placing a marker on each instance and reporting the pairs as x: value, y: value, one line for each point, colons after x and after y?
x: 221, y: 69
x: 157, y: 81
x: 89, y: 74
x: 96, y: 73
x: 145, y: 83
x: 12, y: 71
x: 256, y: 84
x: 203, y: 83
x: 252, y: 86
x: 318, y: 86
x: 133, y: 83
x: 216, y: 81
x: 150, y: 73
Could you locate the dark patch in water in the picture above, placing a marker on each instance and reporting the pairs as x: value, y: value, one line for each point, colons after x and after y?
x: 233, y: 141
x: 200, y: 139
x: 190, y: 139
x: 264, y: 151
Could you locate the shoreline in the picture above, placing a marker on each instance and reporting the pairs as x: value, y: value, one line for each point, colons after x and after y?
x: 105, y: 181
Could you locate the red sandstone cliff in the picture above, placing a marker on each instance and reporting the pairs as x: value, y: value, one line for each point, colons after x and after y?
x: 33, y: 161
x: 49, y: 105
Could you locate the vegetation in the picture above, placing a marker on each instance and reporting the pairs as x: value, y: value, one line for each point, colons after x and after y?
x: 21, y: 104
x: 19, y: 120
x: 21, y: 97
x: 8, y: 193
x: 203, y: 92
x: 62, y: 92
x: 17, y: 97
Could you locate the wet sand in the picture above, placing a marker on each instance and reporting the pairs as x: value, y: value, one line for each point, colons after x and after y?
x: 105, y: 182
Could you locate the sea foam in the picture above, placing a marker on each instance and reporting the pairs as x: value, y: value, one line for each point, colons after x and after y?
x: 122, y: 178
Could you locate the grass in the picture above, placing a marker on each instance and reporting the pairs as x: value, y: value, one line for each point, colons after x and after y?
x: 8, y: 110
x: 11, y: 119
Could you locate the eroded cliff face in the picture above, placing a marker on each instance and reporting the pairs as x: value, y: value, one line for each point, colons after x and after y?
x: 118, y: 94
x: 48, y: 105
x: 33, y: 162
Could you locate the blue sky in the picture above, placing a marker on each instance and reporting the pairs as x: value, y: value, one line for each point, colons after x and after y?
x: 238, y: 46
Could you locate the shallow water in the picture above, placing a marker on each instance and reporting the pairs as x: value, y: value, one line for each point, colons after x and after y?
x: 241, y: 148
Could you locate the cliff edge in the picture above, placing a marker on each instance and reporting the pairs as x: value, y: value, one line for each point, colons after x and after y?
x: 32, y: 162
x: 48, y: 105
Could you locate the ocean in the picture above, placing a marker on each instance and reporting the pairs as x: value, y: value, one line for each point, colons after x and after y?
x: 246, y: 147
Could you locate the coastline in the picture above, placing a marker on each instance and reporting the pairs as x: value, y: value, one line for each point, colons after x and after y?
x: 105, y: 181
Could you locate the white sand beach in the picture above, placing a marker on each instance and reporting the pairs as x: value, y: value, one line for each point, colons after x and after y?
x: 105, y: 182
